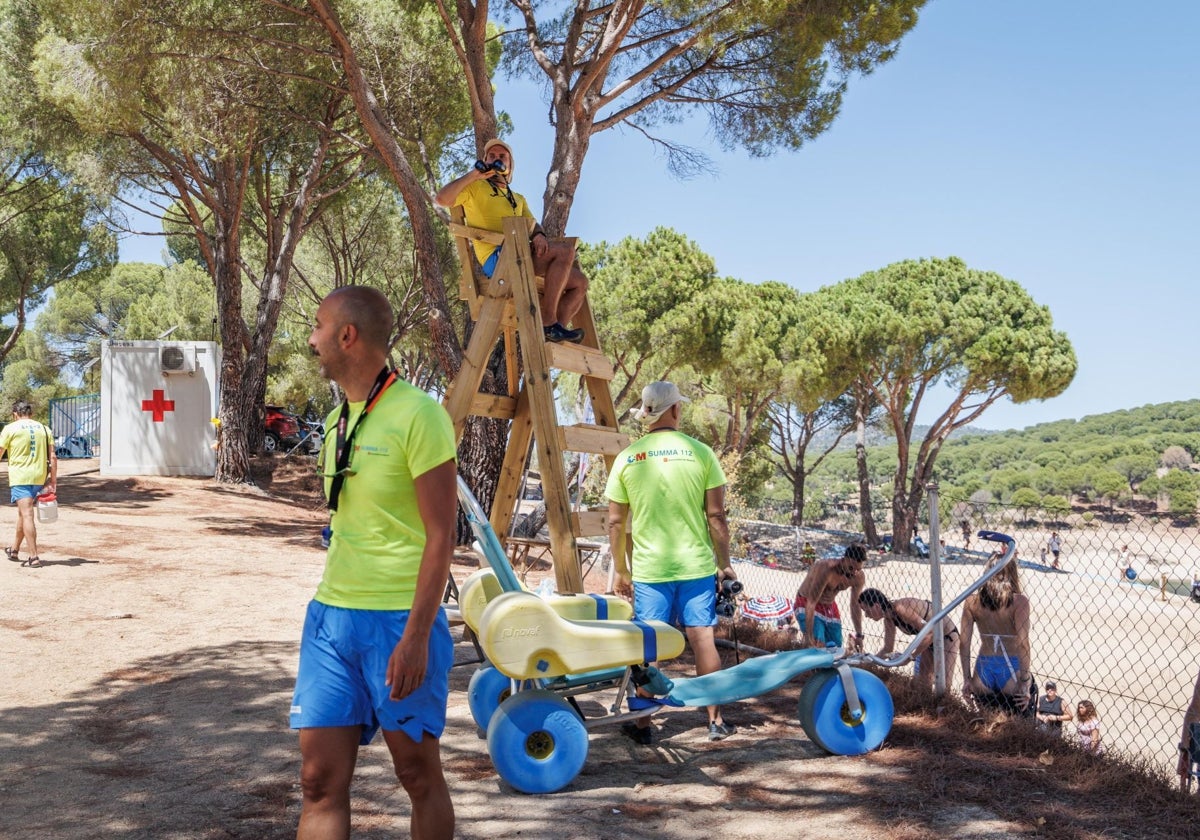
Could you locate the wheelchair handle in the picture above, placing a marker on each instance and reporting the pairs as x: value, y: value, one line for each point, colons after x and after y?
x: 996, y: 536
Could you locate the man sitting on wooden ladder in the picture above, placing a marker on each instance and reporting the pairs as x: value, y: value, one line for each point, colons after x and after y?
x: 487, y: 199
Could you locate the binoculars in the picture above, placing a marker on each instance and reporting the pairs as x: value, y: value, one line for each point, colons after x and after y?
x: 727, y: 592
x: 494, y: 166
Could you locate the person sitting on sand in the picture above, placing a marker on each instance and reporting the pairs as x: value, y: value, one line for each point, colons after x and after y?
x: 1002, y: 675
x: 910, y: 615
x: 808, y: 555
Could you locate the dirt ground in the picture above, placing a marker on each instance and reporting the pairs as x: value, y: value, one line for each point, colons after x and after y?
x: 146, y: 672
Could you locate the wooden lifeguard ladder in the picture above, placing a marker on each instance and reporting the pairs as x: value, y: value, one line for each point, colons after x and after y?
x: 507, y: 305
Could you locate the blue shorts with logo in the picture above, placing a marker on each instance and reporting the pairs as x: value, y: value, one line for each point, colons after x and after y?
x: 686, y: 603
x: 24, y: 491
x: 343, y: 664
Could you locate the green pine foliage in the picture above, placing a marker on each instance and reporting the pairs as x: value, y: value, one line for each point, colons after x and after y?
x: 1112, y: 459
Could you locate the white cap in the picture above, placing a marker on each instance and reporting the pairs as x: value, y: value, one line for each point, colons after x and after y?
x: 657, y: 397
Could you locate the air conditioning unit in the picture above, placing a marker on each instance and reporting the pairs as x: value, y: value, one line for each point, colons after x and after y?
x: 176, y: 358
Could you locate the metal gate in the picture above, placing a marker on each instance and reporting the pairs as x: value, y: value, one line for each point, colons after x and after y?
x: 75, y: 422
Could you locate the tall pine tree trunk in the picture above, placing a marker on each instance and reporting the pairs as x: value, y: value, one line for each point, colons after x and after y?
x: 237, y: 408
x: 904, y: 517
x: 798, y: 495
x: 870, y: 535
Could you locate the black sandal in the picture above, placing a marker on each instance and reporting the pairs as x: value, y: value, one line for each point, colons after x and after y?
x: 33, y: 563
x: 12, y: 554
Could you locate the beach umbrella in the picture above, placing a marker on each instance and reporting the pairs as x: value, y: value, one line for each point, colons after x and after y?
x: 768, y: 608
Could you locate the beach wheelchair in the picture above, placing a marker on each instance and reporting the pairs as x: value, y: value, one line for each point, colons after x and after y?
x: 539, y: 660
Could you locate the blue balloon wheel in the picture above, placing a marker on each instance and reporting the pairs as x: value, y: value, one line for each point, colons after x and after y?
x: 826, y: 717
x: 537, y: 742
x: 808, y: 695
x: 487, y: 690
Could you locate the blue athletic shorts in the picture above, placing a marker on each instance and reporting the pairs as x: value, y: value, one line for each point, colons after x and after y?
x: 24, y: 491
x: 489, y: 265
x: 686, y: 603
x: 994, y: 671
x: 343, y: 663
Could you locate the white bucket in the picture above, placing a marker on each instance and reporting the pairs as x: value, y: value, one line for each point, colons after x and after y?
x: 47, y: 508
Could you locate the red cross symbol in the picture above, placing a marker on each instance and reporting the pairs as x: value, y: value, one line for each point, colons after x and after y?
x: 158, y: 405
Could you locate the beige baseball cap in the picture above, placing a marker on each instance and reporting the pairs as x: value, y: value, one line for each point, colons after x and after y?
x: 512, y: 162
x: 657, y: 397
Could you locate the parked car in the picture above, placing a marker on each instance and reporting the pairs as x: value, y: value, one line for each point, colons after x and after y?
x: 312, y: 435
x: 282, y: 429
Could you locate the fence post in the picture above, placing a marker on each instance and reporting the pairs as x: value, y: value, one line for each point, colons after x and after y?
x: 935, y: 589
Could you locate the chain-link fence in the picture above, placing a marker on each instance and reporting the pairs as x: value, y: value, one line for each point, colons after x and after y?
x: 1114, y: 617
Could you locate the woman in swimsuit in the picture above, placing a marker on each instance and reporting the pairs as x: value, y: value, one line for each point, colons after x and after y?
x: 910, y: 616
x: 1002, y: 671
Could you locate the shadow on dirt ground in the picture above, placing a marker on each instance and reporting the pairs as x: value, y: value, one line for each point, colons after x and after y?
x: 196, y: 745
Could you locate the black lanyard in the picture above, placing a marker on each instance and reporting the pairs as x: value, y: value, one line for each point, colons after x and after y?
x: 508, y: 193
x: 343, y: 442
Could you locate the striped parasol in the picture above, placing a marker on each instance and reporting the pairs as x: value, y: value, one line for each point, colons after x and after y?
x: 767, y: 608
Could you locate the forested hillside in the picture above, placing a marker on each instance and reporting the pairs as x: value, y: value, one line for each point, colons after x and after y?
x: 1115, y: 458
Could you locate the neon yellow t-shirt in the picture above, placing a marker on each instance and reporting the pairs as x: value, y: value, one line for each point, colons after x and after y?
x: 487, y: 207
x: 663, y: 477
x: 378, y: 536
x: 27, y: 443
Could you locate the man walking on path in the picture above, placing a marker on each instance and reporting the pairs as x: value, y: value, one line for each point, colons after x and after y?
x: 376, y: 650
x: 1055, y: 546
x: 671, y: 489
x: 32, y: 470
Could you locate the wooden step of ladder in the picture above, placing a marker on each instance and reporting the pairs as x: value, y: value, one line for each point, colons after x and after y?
x: 507, y: 305
x: 592, y: 438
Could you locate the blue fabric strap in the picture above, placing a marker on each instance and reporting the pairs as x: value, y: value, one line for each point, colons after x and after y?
x: 649, y: 641
x: 601, y: 607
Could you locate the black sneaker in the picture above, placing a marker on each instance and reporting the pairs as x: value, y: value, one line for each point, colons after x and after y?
x: 557, y: 332
x: 641, y: 735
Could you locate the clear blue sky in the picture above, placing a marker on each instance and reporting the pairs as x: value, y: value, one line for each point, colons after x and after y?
x: 1053, y: 142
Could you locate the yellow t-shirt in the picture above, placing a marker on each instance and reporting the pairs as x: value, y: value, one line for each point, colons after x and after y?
x: 27, y: 443
x: 664, y: 477
x: 486, y: 206
x: 378, y: 536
